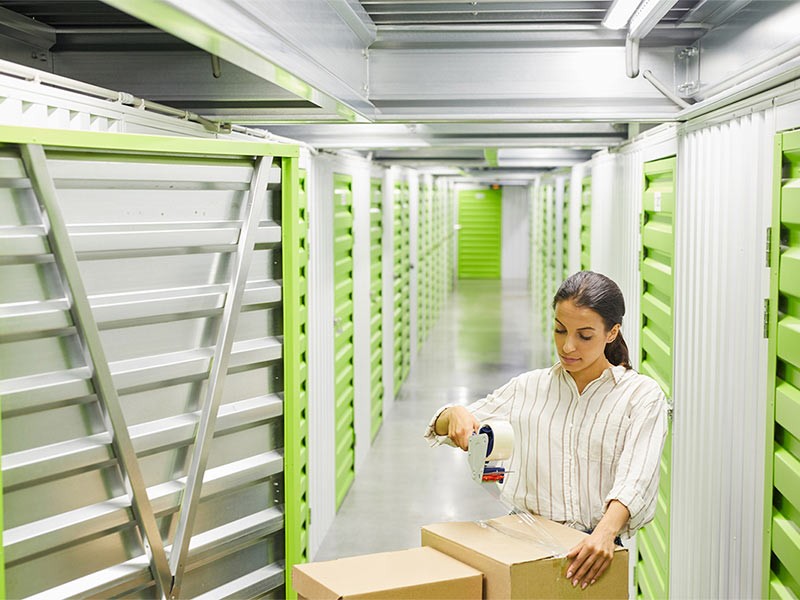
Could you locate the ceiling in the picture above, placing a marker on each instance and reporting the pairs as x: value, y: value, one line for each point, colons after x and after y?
x: 415, y: 82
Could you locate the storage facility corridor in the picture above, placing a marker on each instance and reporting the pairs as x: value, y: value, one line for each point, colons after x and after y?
x: 249, y: 247
x: 486, y: 335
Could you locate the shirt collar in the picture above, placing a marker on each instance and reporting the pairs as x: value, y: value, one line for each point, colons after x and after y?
x: 616, y: 371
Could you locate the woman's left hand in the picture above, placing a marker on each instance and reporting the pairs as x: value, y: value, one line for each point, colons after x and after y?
x: 590, y: 558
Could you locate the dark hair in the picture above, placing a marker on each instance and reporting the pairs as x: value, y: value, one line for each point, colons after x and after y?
x: 588, y: 289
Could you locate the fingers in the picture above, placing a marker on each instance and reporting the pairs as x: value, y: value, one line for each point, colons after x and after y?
x: 461, y: 426
x: 589, y: 562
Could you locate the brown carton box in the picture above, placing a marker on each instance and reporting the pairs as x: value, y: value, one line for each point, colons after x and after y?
x: 515, y: 566
x: 419, y: 573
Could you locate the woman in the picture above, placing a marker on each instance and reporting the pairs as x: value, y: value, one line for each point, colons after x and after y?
x: 588, y: 432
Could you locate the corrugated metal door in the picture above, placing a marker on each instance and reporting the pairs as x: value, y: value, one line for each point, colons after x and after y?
x: 143, y: 383
x: 376, y: 298
x: 658, y: 241
x: 402, y: 301
x: 782, y: 540
x: 343, y: 349
x: 586, y: 224
x: 565, y: 233
x: 423, y: 270
x: 479, y: 239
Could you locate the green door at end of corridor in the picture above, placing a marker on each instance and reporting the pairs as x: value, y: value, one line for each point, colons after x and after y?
x: 479, y: 236
x: 781, y: 566
x: 658, y: 243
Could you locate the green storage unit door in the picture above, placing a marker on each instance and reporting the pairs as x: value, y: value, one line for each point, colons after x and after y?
x: 586, y: 223
x: 479, y: 244
x: 343, y: 333
x: 565, y: 234
x: 402, y: 301
x: 542, y: 258
x: 295, y: 317
x: 376, y: 304
x: 782, y: 531
x: 423, y: 283
x: 658, y: 241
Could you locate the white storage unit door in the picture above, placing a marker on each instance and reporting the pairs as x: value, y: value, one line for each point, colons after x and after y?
x: 141, y: 345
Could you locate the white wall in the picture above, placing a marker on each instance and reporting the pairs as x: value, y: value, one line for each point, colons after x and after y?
x: 515, y: 252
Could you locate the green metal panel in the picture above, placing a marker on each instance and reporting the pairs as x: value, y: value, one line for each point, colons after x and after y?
x: 565, y: 233
x: 75, y: 483
x: 586, y: 223
x: 344, y: 394
x: 479, y: 244
x: 406, y: 283
x: 295, y: 365
x: 652, y: 568
x: 376, y: 306
x: 402, y: 318
x: 782, y: 495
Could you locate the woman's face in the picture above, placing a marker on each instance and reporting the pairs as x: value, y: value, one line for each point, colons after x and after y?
x: 581, y: 337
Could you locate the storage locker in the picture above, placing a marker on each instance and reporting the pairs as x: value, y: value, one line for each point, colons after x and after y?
x: 652, y: 569
x: 144, y: 351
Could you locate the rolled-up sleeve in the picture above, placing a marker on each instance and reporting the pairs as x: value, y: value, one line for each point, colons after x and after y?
x: 495, y: 406
x: 637, y: 475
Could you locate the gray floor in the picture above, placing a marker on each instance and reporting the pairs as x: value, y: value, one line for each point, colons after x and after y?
x: 485, y: 336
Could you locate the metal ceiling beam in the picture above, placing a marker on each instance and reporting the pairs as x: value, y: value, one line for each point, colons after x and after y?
x: 303, y: 46
x: 28, y: 31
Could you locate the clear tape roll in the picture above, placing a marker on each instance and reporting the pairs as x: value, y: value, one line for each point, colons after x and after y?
x: 503, y: 445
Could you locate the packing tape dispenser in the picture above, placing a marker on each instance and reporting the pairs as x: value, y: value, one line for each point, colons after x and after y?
x: 493, y: 442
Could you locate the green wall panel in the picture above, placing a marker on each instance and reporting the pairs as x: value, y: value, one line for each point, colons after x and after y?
x: 586, y: 223
x: 565, y: 233
x: 402, y: 300
x: 658, y: 204
x: 782, y: 494
x: 295, y: 317
x: 376, y: 305
x: 344, y: 412
x: 479, y: 243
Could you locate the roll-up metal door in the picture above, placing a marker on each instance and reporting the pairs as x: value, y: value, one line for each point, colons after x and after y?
x: 376, y: 297
x: 343, y: 349
x: 294, y: 222
x: 586, y: 223
x: 406, y: 283
x: 658, y: 241
x: 144, y: 389
x: 402, y: 279
x: 782, y: 515
x: 479, y: 238
x: 565, y: 234
x: 423, y: 283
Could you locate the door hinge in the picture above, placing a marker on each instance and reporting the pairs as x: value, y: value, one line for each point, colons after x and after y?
x: 766, y: 317
x: 769, y: 246
x: 670, y: 411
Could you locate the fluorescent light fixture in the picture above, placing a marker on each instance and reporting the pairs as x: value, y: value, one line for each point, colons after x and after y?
x: 620, y: 13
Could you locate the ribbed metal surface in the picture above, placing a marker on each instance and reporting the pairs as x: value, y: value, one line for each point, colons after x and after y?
x: 724, y: 192
x: 402, y: 282
x: 415, y: 273
x: 784, y: 420
x: 586, y: 224
x: 479, y: 239
x: 343, y: 334
x: 516, y: 217
x: 438, y: 12
x: 376, y: 305
x: 658, y: 275
x: 156, y: 277
x: 322, y: 466
x: 389, y: 283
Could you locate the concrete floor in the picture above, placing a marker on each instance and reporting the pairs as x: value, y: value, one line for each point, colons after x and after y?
x: 486, y: 335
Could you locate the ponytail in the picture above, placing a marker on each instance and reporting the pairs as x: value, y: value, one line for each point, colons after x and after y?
x: 617, y: 352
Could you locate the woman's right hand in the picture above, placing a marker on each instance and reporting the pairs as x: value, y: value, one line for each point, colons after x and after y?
x: 461, y: 424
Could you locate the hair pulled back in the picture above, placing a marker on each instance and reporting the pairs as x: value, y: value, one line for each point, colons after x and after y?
x: 588, y: 289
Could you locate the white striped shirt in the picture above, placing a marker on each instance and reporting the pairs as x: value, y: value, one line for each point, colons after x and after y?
x: 574, y: 453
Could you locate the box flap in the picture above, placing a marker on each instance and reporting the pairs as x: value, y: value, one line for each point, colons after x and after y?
x: 514, y: 541
x: 374, y: 573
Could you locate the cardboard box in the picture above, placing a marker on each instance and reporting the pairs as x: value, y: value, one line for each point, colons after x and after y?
x: 515, y: 566
x: 419, y: 573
